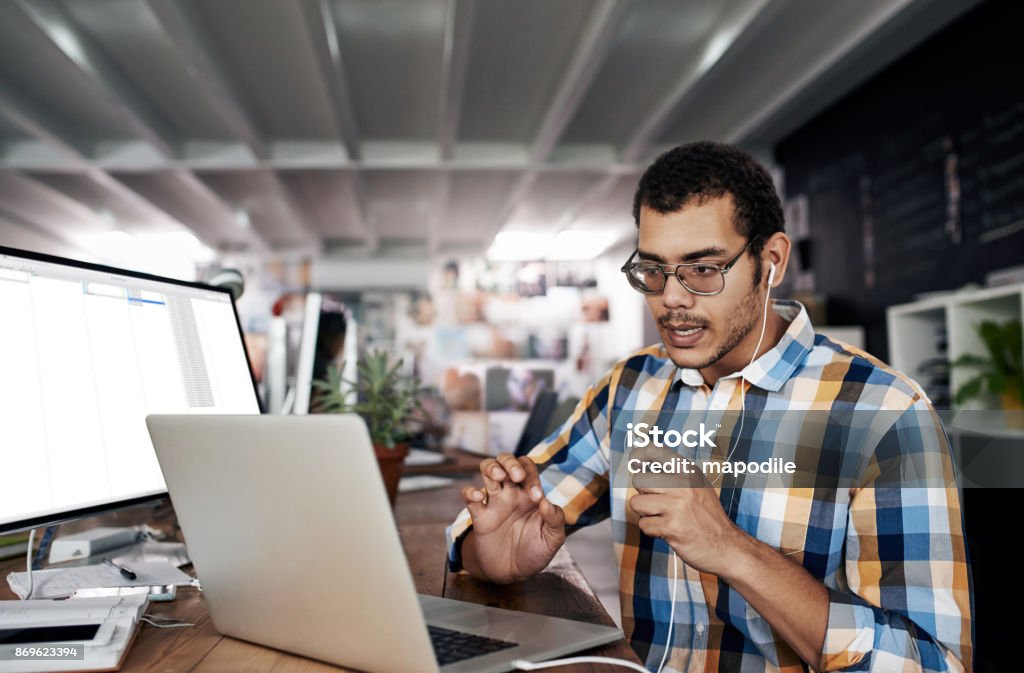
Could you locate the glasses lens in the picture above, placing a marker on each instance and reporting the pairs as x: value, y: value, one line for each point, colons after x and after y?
x: 702, y: 278
x: 646, y: 278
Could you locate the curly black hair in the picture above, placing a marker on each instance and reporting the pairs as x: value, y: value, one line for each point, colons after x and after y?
x: 702, y: 171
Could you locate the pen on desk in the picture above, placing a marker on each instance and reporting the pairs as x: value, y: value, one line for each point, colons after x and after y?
x: 127, y: 574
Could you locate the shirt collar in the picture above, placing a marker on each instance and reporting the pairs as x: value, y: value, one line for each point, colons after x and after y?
x: 775, y: 366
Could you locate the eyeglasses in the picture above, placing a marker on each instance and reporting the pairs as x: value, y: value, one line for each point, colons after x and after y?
x: 700, y: 278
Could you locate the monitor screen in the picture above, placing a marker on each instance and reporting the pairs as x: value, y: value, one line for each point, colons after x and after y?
x: 86, y: 353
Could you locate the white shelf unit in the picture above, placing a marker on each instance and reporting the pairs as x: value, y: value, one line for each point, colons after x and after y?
x: 912, y: 329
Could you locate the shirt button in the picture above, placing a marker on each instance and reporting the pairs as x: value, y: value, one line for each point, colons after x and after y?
x: 700, y: 628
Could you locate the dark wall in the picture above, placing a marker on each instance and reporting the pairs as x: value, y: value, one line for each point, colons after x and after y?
x: 915, y: 181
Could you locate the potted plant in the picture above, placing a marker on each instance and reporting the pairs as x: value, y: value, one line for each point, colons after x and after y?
x: 1001, y: 372
x: 388, y: 402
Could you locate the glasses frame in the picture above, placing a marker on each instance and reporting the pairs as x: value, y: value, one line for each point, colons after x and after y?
x: 664, y: 268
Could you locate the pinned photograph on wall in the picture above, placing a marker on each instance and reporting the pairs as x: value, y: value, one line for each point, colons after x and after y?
x: 531, y: 280
x: 461, y: 388
x: 515, y: 388
x: 548, y: 345
x: 573, y: 273
x: 594, y: 307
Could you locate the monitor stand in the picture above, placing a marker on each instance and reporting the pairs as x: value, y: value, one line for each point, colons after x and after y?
x: 174, y: 553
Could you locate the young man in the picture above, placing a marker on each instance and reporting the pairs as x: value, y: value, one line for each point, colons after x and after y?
x: 868, y: 578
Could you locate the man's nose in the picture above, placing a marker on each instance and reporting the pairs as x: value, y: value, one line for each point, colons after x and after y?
x: 675, y: 295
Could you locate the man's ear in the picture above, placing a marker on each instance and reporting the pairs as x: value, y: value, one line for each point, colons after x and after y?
x: 776, y: 249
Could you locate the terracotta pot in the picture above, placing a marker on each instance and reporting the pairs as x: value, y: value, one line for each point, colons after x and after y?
x: 1015, y: 408
x: 392, y: 463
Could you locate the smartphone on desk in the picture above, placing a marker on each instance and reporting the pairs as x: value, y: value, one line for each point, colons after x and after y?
x: 91, y: 634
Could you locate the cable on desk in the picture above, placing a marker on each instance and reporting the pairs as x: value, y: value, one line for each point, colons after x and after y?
x: 164, y: 622
x: 28, y: 562
x: 523, y: 665
x: 44, y: 547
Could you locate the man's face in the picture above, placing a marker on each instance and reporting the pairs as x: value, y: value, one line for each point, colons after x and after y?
x: 700, y: 331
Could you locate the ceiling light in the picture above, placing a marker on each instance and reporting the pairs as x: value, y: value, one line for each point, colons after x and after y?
x: 243, y: 219
x: 580, y: 244
x: 519, y: 246
x: 173, y: 253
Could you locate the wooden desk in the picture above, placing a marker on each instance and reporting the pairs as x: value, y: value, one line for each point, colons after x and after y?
x: 456, y: 462
x: 560, y: 591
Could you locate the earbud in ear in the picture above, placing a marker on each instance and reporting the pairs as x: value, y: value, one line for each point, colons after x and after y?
x: 771, y: 274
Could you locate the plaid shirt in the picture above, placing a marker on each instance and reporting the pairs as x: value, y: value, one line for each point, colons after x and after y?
x: 893, y: 559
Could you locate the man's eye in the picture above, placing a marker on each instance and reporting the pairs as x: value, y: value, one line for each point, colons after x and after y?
x: 650, y: 270
x: 703, y: 270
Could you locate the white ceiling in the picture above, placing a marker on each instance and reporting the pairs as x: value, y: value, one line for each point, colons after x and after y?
x: 352, y: 126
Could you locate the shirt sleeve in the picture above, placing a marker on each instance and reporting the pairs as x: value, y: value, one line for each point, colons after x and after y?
x: 573, y: 463
x: 909, y: 605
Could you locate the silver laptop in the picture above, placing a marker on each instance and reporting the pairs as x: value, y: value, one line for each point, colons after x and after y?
x: 290, y: 531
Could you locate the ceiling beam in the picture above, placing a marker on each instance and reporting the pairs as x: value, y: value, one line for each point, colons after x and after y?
x: 80, y: 50
x: 718, y: 45
x: 225, y: 210
x: 457, y: 38
x: 323, y: 34
x: 102, y: 73
x: 885, y: 17
x: 195, y: 47
x: 362, y: 208
x: 455, y: 59
x: 326, y: 156
x: 586, y: 62
x: 597, y: 191
x: 38, y: 236
x: 441, y: 212
x: 299, y: 222
x: 516, y: 195
x: 37, y: 121
x: 31, y: 190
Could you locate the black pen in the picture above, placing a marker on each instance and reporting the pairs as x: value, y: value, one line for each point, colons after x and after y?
x: 127, y: 574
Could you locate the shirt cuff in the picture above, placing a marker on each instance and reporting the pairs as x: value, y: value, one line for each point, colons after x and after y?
x: 454, y: 535
x: 850, y: 635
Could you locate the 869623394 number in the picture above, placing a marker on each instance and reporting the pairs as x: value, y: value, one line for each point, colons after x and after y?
x: 41, y: 652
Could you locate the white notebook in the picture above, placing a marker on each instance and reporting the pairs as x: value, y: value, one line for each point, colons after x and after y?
x: 119, y: 613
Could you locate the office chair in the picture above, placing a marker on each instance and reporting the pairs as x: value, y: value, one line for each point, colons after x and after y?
x: 537, y: 422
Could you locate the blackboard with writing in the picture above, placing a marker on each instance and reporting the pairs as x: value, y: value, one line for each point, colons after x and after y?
x: 915, y: 180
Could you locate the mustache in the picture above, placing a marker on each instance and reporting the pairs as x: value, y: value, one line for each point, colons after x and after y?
x: 683, y: 318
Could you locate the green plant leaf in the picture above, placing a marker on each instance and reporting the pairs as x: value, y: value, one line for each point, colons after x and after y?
x: 1001, y: 372
x: 385, y: 398
x: 970, y: 360
x: 970, y: 389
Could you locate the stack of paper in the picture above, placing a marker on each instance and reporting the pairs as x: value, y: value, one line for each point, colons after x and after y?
x: 62, y: 582
x: 122, y: 613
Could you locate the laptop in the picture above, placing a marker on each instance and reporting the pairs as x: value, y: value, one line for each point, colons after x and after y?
x: 291, y: 534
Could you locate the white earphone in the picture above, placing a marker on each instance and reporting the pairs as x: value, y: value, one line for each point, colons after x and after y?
x: 771, y: 275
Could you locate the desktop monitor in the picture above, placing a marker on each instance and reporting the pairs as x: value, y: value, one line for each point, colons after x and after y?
x: 324, y: 320
x: 307, y: 353
x: 86, y: 353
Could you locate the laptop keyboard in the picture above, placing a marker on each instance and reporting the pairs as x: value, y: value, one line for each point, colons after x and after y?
x: 451, y: 646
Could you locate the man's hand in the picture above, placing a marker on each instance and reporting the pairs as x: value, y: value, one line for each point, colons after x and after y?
x: 684, y: 510
x: 516, y: 530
